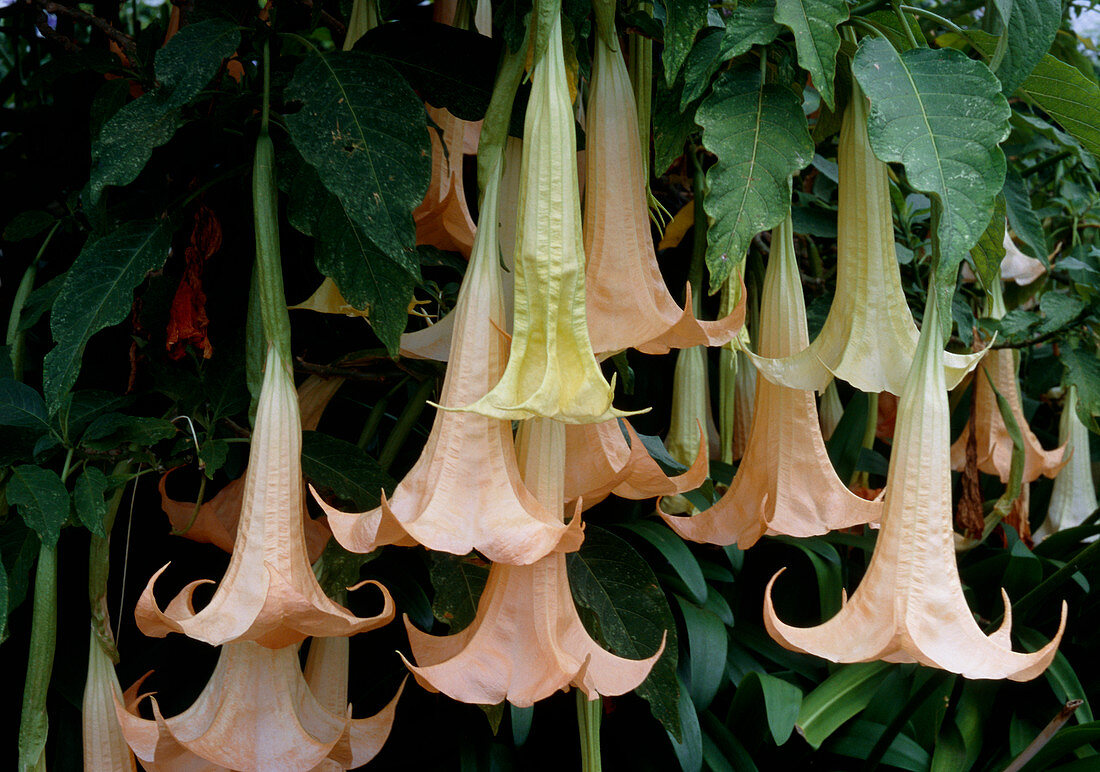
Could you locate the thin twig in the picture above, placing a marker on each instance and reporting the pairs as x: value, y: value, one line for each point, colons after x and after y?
x: 1045, y: 736
x: 121, y: 38
x: 1046, y: 335
x: 343, y: 372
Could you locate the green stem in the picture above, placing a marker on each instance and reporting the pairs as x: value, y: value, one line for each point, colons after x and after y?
x: 588, y: 723
x: 905, y: 25
x: 859, y: 478
x: 99, y: 553
x: 699, y: 234
x: 16, y: 337
x: 1046, y: 163
x: 498, y: 116
x: 34, y: 723
x: 946, y: 23
x: 405, y: 423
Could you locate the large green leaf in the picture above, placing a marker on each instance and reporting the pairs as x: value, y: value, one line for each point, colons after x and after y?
x: 684, y: 20
x: 671, y: 126
x: 1031, y: 28
x: 42, y: 500
x: 114, y: 430
x: 839, y: 697
x: 610, y: 579
x: 368, y: 278
x: 458, y: 582
x: 1022, y: 217
x: 748, y: 25
x: 990, y: 249
x: 758, y: 131
x: 814, y: 23
x: 1069, y: 98
x: 676, y: 552
x: 97, y: 293
x: 1083, y: 371
x: 941, y: 115
x: 781, y: 702
x: 183, y: 68
x: 89, y: 501
x: 365, y: 131
x: 21, y: 406
x: 344, y: 469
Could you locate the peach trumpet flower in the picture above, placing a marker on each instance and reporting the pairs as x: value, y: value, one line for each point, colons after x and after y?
x: 601, y: 460
x: 785, y: 482
x: 690, y: 411
x: 269, y: 593
x: 216, y: 521
x: 551, y: 369
x: 443, y: 219
x: 465, y: 491
x: 869, y: 337
x: 105, y: 748
x: 994, y: 445
x: 909, y: 606
x: 1074, y: 495
x: 256, y: 712
x: 527, y: 640
x: 629, y: 305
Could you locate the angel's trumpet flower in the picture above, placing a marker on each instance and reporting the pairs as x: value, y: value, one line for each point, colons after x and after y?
x: 105, y: 748
x: 994, y: 445
x: 909, y: 606
x: 600, y: 460
x: 465, y: 491
x: 526, y: 641
x: 629, y: 305
x: 551, y: 370
x: 869, y: 337
x: 1018, y: 267
x: 216, y: 520
x: 830, y: 411
x: 269, y: 593
x: 690, y: 411
x: 256, y: 713
x: 785, y: 483
x: 443, y: 219
x: 1074, y: 495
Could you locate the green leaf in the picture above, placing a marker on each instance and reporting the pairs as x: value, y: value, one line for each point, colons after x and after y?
x: 722, y: 751
x: 814, y: 23
x: 1031, y: 28
x: 1069, y: 98
x: 365, y: 132
x: 1062, y: 744
x: 1083, y: 371
x: 990, y: 249
x: 114, y: 430
x: 1059, y: 310
x: 758, y: 131
x: 706, y: 663
x: 5, y: 607
x: 42, y: 500
x: 610, y: 579
x: 344, y: 469
x: 97, y: 293
x: 88, y: 498
x: 80, y: 408
x: 458, y: 582
x: 1060, y: 675
x: 21, y: 406
x: 941, y: 115
x: 671, y: 126
x: 676, y: 553
x: 688, y: 748
x: 368, y: 278
x: 449, y: 67
x: 700, y: 65
x: 857, y: 740
x: 781, y: 702
x: 1022, y: 218
x: 748, y: 25
x: 183, y: 68
x: 843, y: 694
x: 684, y: 20
x: 26, y: 225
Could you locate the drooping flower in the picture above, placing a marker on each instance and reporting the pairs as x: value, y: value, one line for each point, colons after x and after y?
x: 216, y: 521
x: 443, y: 219
x: 105, y: 748
x: 830, y: 411
x: 1018, y: 267
x: 994, y: 445
x: 1074, y: 495
x: 690, y: 411
x: 465, y: 491
x: 255, y: 713
x: 785, y: 482
x: 629, y: 305
x: 526, y: 641
x: 869, y: 337
x: 600, y: 460
x: 909, y: 606
x: 269, y: 593
x: 551, y: 369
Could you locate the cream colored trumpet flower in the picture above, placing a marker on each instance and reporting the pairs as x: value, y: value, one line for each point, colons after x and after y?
x: 785, y: 483
x: 830, y: 410
x: 629, y: 305
x: 1074, y: 495
x: 465, y: 491
x: 551, y: 370
x: 255, y: 713
x: 600, y: 460
x: 269, y: 593
x: 869, y: 337
x: 994, y: 445
x: 909, y: 606
x: 690, y: 410
x: 105, y: 748
x: 526, y: 641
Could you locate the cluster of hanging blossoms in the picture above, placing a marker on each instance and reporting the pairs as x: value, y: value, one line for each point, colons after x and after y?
x: 516, y: 495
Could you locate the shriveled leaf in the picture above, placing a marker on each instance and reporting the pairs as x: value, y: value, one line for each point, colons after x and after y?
x: 89, y: 501
x: 942, y: 116
x: 990, y: 249
x: 41, y: 499
x: 759, y: 133
x: 183, y: 68
x: 458, y: 582
x: 97, y: 293
x: 684, y: 20
x: 816, y: 38
x: 1031, y: 28
x: 344, y: 469
x: 365, y: 132
x: 610, y: 579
